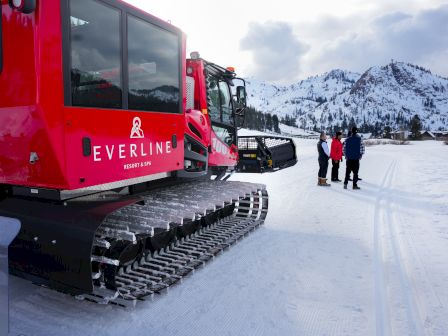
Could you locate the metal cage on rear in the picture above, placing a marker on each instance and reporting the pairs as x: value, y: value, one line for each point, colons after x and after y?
x: 259, y: 154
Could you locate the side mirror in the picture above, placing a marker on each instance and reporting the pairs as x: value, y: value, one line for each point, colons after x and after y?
x: 241, y: 96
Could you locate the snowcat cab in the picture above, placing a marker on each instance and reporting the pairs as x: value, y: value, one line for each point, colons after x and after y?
x: 209, y: 94
x: 213, y: 92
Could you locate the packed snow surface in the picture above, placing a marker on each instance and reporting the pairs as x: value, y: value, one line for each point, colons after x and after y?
x: 327, y: 261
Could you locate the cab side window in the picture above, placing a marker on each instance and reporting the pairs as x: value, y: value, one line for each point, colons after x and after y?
x: 95, y: 56
x: 226, y: 103
x: 219, y: 101
x: 121, y: 59
x: 213, y: 99
x: 153, y: 68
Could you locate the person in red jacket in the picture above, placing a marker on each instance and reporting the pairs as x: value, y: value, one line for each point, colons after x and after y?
x: 336, y: 156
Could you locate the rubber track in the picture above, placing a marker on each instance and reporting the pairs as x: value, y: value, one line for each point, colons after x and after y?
x: 167, y: 209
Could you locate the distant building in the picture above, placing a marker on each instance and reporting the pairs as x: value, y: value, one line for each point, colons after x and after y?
x: 365, y: 136
x: 441, y: 135
x: 399, y: 135
x: 427, y: 135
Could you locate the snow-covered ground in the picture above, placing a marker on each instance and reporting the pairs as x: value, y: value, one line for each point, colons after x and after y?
x: 328, y: 261
x: 295, y: 131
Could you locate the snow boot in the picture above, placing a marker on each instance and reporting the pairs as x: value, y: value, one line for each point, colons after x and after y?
x: 323, y: 182
x: 355, y: 187
x: 345, y: 186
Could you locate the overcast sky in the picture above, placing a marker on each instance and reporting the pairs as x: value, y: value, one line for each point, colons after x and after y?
x: 284, y: 40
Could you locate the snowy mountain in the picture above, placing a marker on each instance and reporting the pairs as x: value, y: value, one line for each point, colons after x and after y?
x: 388, y: 95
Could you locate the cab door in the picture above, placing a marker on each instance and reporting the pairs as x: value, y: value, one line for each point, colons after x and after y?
x: 223, y: 135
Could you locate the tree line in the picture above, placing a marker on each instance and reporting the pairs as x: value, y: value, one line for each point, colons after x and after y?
x: 259, y: 121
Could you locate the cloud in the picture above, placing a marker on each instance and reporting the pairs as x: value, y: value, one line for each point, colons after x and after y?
x: 421, y: 38
x: 391, y: 19
x: 276, y: 51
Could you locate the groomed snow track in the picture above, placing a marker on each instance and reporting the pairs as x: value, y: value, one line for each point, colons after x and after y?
x: 143, y: 248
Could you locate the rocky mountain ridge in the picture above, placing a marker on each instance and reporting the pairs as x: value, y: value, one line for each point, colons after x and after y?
x: 382, y: 96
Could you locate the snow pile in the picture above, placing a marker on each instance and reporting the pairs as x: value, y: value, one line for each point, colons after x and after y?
x: 375, y: 142
x: 288, y: 131
x: 297, y: 132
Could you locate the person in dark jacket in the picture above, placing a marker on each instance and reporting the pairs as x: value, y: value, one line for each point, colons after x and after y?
x: 336, y: 156
x: 353, y: 149
x: 349, y: 134
x: 324, y: 156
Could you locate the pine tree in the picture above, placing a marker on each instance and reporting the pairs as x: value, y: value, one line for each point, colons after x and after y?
x: 344, y: 125
x: 352, y: 123
x: 416, y: 127
x: 275, y: 123
x: 269, y: 122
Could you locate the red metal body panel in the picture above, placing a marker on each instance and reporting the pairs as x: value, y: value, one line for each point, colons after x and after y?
x: 115, y: 155
x: 201, y: 124
x: 33, y: 117
x: 222, y: 155
x: 31, y: 98
x: 200, y: 90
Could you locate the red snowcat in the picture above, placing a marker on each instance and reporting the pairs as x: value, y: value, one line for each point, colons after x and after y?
x: 115, y: 150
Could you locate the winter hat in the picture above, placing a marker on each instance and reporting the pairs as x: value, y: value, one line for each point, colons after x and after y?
x: 354, y: 130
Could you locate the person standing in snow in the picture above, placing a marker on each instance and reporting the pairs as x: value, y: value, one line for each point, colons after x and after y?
x: 324, y: 156
x: 336, y: 156
x: 349, y: 134
x: 353, y: 150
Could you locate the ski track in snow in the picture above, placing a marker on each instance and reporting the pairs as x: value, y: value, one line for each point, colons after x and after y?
x: 382, y: 310
x: 386, y: 234
x: 403, y: 286
x: 327, y: 261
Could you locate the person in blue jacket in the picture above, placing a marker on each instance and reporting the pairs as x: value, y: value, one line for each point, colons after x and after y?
x: 353, y: 150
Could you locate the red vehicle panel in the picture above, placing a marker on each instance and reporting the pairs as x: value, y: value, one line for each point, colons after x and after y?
x: 41, y: 136
x: 125, y: 145
x: 222, y: 155
x: 31, y: 98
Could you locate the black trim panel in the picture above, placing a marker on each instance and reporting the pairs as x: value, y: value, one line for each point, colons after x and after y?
x: 66, y: 59
x: 54, y: 246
